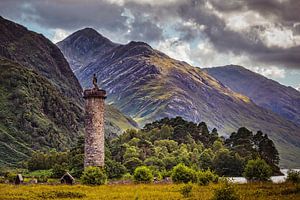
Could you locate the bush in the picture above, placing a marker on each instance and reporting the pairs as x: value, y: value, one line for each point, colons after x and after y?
x: 127, y: 176
x: 114, y: 169
x: 11, y: 177
x: 257, y: 170
x: 205, y: 177
x: 186, y: 190
x: 293, y: 176
x: 183, y: 174
x: 165, y: 173
x: 133, y: 163
x: 225, y: 192
x: 93, y: 176
x: 59, y: 170
x: 42, y: 179
x: 143, y: 174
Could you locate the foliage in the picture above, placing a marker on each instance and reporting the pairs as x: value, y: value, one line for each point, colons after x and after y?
x: 11, y: 177
x: 42, y: 179
x: 93, y: 176
x: 250, y: 146
x: 136, y: 148
x: 143, y: 175
x: 257, y: 170
x: 228, y: 163
x: 133, y: 163
x: 59, y: 170
x: 205, y: 177
x: 183, y: 174
x: 114, y: 170
x: 127, y: 176
x: 40, y: 160
x: 293, y: 176
x: 225, y: 192
x: 186, y: 190
x: 33, y: 114
x: 76, y: 158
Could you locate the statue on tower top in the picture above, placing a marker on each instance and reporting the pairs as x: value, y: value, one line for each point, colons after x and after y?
x: 95, y: 81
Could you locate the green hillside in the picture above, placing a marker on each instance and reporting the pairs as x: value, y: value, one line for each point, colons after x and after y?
x: 34, y: 115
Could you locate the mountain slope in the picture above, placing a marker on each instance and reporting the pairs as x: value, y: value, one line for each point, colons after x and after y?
x: 36, y: 52
x: 148, y: 85
x: 33, y: 114
x: 265, y: 92
x: 41, y: 105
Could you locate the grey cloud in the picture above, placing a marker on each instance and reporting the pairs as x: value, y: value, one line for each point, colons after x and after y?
x: 247, y: 42
x: 71, y: 15
x: 145, y: 30
x: 150, y: 18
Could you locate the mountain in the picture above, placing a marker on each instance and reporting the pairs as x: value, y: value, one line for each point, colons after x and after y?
x: 285, y: 101
x: 89, y: 45
x: 41, y: 104
x: 148, y: 85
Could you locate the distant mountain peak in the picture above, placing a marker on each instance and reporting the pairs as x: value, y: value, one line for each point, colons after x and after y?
x: 88, y: 35
x: 88, y: 32
x: 138, y: 43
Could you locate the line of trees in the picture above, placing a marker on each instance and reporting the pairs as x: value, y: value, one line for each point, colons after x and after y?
x: 164, y: 144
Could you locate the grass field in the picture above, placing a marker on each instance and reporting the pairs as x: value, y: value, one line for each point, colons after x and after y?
x: 145, y: 191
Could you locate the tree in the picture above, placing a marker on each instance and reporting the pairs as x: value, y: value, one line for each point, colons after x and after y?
x: 267, y: 150
x: 227, y: 163
x: 206, y: 158
x: 93, y: 176
x: 242, y: 143
x: 133, y: 163
x: 257, y: 170
x: 155, y: 162
x: 293, y: 176
x: 59, y: 170
x: 131, y: 152
x: 114, y: 169
x: 183, y: 174
x: 143, y: 175
x: 76, y: 157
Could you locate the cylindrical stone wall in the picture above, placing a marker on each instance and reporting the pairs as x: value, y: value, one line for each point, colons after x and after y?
x: 94, y: 127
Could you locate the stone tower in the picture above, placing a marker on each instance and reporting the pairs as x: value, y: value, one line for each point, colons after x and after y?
x: 94, y: 126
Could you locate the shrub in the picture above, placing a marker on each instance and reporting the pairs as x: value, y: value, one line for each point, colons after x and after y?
x: 257, y: 170
x: 293, y: 176
x: 156, y: 174
x: 183, y: 174
x: 225, y: 192
x: 133, y: 163
x: 186, y: 190
x: 205, y: 177
x: 59, y: 170
x: 127, y: 176
x: 93, y: 176
x: 42, y: 179
x: 114, y: 169
x: 11, y: 177
x: 165, y: 173
x: 143, y: 174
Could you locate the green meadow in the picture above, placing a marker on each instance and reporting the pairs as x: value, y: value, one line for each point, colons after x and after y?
x: 255, y: 191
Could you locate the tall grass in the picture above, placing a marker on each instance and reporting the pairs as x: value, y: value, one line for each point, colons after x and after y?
x: 252, y: 191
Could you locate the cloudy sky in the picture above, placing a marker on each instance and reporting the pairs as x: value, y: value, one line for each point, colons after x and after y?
x: 262, y: 35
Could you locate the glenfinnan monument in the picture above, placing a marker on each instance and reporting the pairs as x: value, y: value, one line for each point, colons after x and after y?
x: 94, y: 125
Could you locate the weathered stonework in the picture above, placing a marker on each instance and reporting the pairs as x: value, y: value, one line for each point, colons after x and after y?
x: 94, y: 127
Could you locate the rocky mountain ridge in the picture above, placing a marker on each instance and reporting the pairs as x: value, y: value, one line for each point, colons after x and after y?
x: 148, y: 85
x: 285, y: 101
